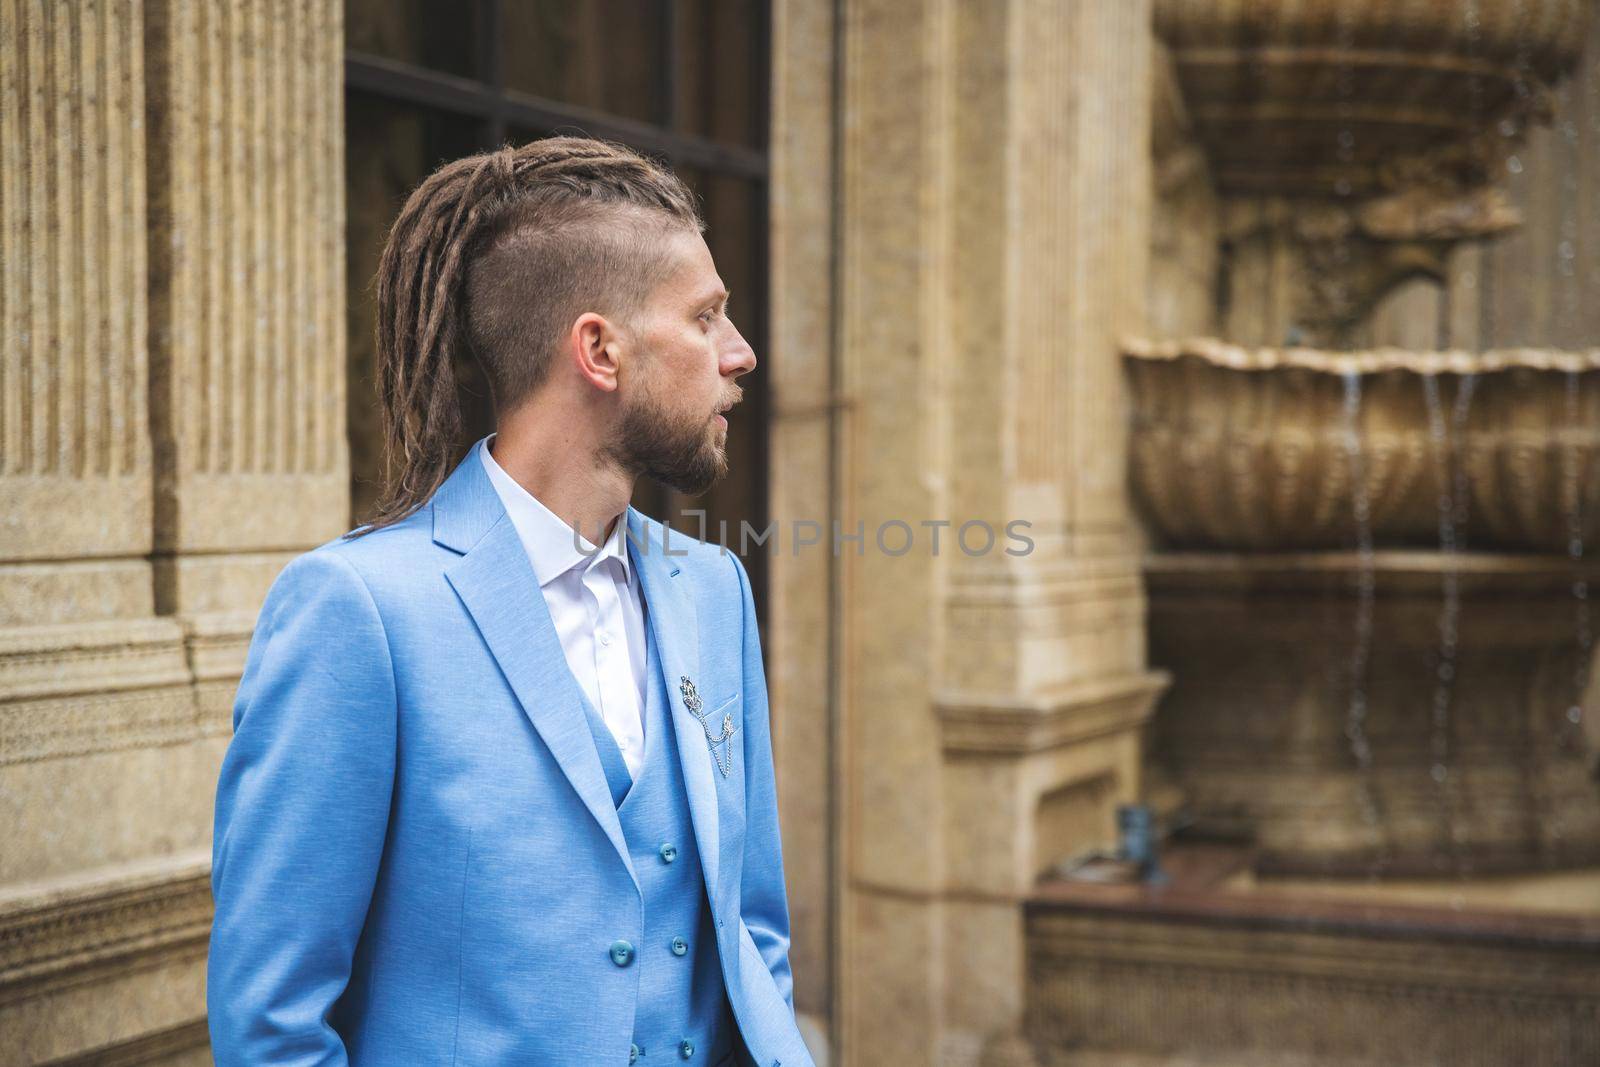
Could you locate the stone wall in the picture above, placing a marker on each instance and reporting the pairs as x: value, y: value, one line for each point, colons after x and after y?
x: 171, y: 432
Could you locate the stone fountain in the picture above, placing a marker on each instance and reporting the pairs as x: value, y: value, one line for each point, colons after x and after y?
x: 1370, y: 587
x: 1369, y: 576
x: 1369, y: 564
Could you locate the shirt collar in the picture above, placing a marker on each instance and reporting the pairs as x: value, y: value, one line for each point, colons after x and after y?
x: 553, y: 547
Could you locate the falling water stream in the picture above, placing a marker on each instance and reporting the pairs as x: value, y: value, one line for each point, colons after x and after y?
x: 1572, y: 496
x: 1575, y: 546
x: 1361, y: 649
x: 1366, y: 571
x: 1569, y: 729
x: 1447, y: 422
x: 1450, y: 475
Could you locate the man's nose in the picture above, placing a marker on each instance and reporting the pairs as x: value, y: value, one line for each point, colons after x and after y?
x: 737, y: 355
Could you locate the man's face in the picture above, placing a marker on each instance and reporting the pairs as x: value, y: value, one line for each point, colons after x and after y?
x: 687, y: 353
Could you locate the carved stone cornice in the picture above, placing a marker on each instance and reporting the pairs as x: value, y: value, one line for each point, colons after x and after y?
x: 217, y: 644
x: 40, y: 661
x: 67, y: 932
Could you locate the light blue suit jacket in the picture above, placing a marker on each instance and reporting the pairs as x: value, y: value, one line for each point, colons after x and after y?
x: 414, y: 835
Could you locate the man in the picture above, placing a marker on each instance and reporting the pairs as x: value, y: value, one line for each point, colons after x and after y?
x: 496, y: 795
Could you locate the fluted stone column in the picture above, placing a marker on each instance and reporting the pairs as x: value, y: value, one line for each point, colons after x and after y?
x: 171, y: 400
x: 247, y: 309
x: 101, y: 768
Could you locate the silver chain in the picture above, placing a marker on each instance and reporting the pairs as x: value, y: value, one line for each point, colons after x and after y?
x: 691, y: 700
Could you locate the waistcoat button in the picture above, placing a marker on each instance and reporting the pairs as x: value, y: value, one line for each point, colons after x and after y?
x: 669, y: 852
x: 686, y: 1048
x: 621, y: 953
x: 679, y: 946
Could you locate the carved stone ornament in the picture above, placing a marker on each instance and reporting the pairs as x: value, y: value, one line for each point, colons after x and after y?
x: 1357, y: 141
x: 1362, y: 97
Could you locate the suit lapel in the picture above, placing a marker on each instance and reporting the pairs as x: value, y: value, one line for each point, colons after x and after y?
x: 496, y: 583
x: 676, y: 628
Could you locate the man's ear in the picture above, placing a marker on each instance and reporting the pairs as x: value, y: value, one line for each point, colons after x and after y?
x: 595, y: 348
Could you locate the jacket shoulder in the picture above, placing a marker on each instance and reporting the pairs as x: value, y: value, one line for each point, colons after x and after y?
x: 377, y: 557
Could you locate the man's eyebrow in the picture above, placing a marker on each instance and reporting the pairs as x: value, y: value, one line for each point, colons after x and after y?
x: 716, y: 296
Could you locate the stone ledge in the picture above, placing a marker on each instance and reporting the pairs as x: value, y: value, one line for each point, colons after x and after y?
x: 72, y: 930
x: 972, y: 724
x: 160, y: 1046
x: 1207, y: 974
x: 1523, y: 575
x: 90, y: 657
x: 84, y: 688
x: 217, y: 643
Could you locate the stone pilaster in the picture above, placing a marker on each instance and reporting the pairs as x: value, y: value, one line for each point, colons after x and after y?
x: 805, y: 423
x: 247, y: 309
x: 101, y: 766
x: 995, y: 212
x: 890, y: 454
x: 74, y: 446
x: 1043, y: 689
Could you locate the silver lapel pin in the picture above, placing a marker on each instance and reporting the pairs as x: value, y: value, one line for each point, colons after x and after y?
x: 691, y: 700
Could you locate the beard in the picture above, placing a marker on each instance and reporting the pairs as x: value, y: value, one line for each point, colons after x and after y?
x: 681, y: 451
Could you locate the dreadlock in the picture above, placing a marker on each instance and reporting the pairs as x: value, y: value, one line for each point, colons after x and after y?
x: 494, y: 256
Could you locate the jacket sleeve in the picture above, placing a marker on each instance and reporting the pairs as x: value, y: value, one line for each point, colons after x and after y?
x: 301, y: 812
x: 765, y: 905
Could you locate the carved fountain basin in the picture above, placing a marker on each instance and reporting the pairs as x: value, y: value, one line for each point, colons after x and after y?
x: 1272, y: 449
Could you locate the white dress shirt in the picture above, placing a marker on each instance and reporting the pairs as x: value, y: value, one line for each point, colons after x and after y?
x: 595, y: 603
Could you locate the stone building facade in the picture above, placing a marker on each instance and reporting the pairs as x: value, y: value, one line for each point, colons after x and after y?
x: 953, y: 223
x: 963, y: 202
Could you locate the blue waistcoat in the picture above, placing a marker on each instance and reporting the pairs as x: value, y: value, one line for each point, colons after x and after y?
x: 682, y: 1014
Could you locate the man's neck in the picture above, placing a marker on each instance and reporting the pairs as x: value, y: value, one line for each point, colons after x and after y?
x: 564, y: 473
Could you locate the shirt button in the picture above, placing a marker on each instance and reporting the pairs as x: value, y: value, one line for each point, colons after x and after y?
x: 621, y: 953
x: 679, y: 946
x: 605, y: 638
x: 686, y: 1048
x: 669, y: 852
